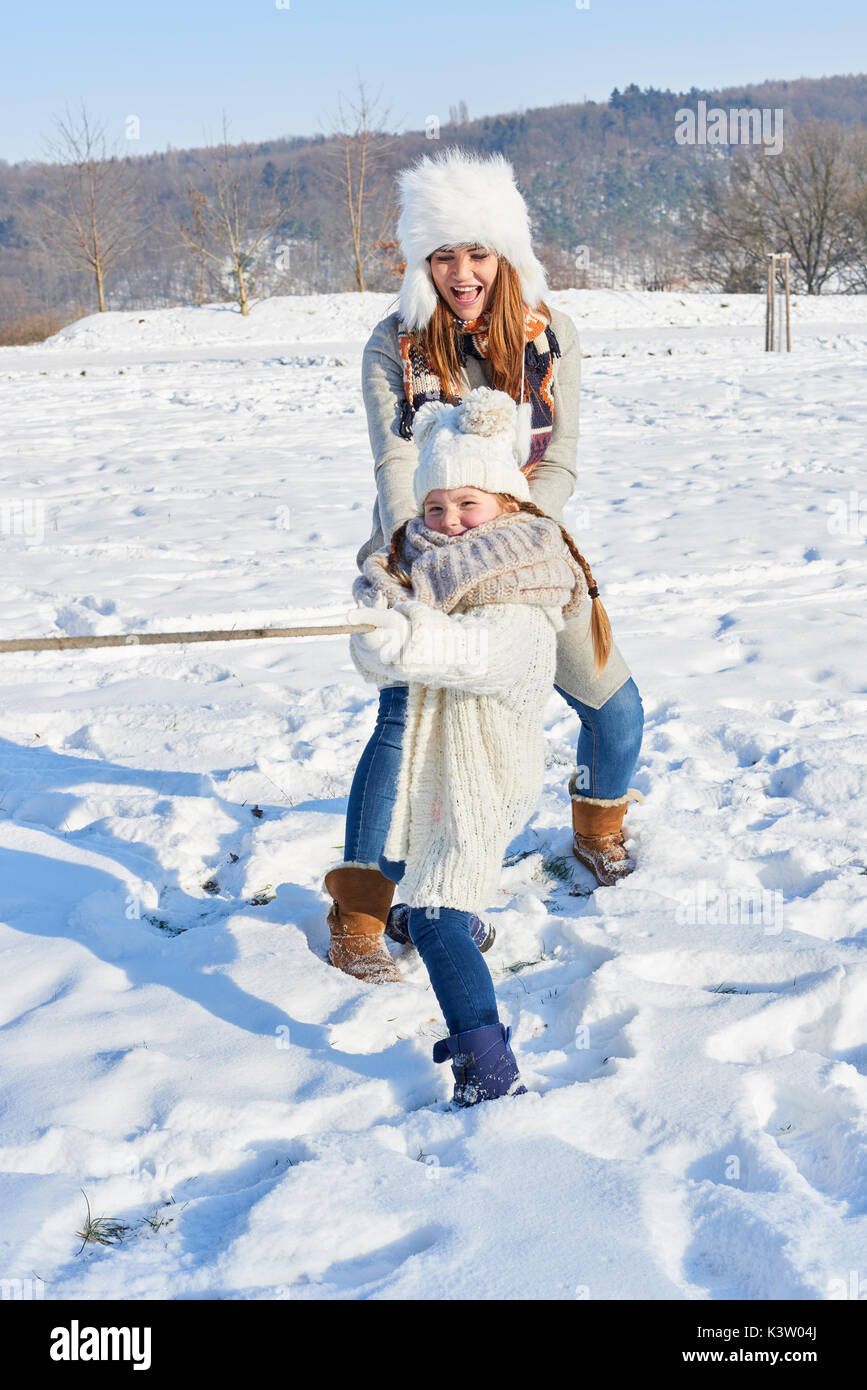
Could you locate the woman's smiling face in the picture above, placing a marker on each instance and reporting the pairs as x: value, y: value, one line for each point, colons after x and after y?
x: 464, y: 276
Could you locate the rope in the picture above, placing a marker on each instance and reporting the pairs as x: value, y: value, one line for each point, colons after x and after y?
x: 145, y: 639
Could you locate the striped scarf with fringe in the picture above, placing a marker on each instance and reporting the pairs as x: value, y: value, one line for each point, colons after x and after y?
x: 421, y: 383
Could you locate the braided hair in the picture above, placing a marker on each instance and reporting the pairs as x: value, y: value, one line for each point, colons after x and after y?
x: 395, y: 553
x: 600, y: 625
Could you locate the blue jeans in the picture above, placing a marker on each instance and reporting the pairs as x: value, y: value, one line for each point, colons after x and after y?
x: 372, y: 794
x: 460, y: 978
x: 609, y: 741
x: 607, y: 751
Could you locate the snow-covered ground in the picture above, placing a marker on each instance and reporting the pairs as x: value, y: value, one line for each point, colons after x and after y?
x: 694, y: 1040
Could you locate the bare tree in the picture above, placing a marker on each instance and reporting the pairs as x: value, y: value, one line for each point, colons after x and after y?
x: 88, y: 206
x: 198, y: 235
x: 232, y: 223
x: 800, y: 201
x: 390, y: 257
x: 358, y: 166
x: 857, y: 272
x: 725, y: 254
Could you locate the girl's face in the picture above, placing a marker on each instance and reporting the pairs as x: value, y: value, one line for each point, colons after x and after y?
x: 464, y: 276
x: 454, y: 510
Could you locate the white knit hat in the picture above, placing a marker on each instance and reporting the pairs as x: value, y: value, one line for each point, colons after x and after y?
x: 456, y: 198
x: 473, y: 444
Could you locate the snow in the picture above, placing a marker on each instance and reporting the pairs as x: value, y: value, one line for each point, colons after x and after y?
x: 693, y: 1039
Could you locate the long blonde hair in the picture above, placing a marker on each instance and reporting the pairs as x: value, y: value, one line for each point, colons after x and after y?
x: 600, y: 625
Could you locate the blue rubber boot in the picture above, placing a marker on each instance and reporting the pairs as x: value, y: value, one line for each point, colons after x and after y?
x: 483, y: 1064
x: 397, y: 928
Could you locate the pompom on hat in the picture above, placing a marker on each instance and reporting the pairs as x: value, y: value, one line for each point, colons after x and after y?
x: 473, y: 444
x: 456, y: 198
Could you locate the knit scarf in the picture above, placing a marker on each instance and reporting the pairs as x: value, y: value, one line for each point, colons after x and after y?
x: 514, y: 558
x: 421, y: 383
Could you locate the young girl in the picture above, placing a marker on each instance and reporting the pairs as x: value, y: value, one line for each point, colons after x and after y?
x: 467, y: 603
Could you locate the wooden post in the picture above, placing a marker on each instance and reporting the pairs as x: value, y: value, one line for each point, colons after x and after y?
x: 773, y: 327
x: 769, y: 321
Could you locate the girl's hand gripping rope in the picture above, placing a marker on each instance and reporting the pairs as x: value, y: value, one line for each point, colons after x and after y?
x: 392, y: 629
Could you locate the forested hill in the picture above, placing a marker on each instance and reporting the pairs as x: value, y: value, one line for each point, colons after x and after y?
x: 608, y: 177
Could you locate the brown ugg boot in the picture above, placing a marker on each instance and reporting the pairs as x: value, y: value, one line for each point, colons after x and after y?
x: 597, y: 838
x: 361, y: 896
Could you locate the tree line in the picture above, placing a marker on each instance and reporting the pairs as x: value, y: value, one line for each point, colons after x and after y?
x: 615, y: 201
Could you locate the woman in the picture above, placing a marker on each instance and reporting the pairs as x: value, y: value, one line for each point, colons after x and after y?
x: 472, y: 313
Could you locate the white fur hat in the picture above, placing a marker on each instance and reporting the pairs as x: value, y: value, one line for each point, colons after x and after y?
x: 468, y: 445
x: 456, y: 198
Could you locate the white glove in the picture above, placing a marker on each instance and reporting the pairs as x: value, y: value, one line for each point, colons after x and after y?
x: 392, y: 630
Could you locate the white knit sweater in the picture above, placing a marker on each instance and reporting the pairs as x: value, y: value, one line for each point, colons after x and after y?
x: 472, y: 760
x: 473, y: 756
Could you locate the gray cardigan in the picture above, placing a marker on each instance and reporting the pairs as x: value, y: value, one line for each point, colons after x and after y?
x: 394, y: 458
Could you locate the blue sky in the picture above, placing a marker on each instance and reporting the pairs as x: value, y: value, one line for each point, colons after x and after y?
x: 277, y: 68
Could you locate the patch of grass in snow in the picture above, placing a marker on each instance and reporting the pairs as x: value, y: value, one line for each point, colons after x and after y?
x: 108, y: 1230
x: 512, y: 859
x: 518, y: 965
x: 156, y: 1222
x: 263, y: 896
x: 163, y: 924
x: 555, y: 757
x: 101, y: 1230
x: 557, y: 866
